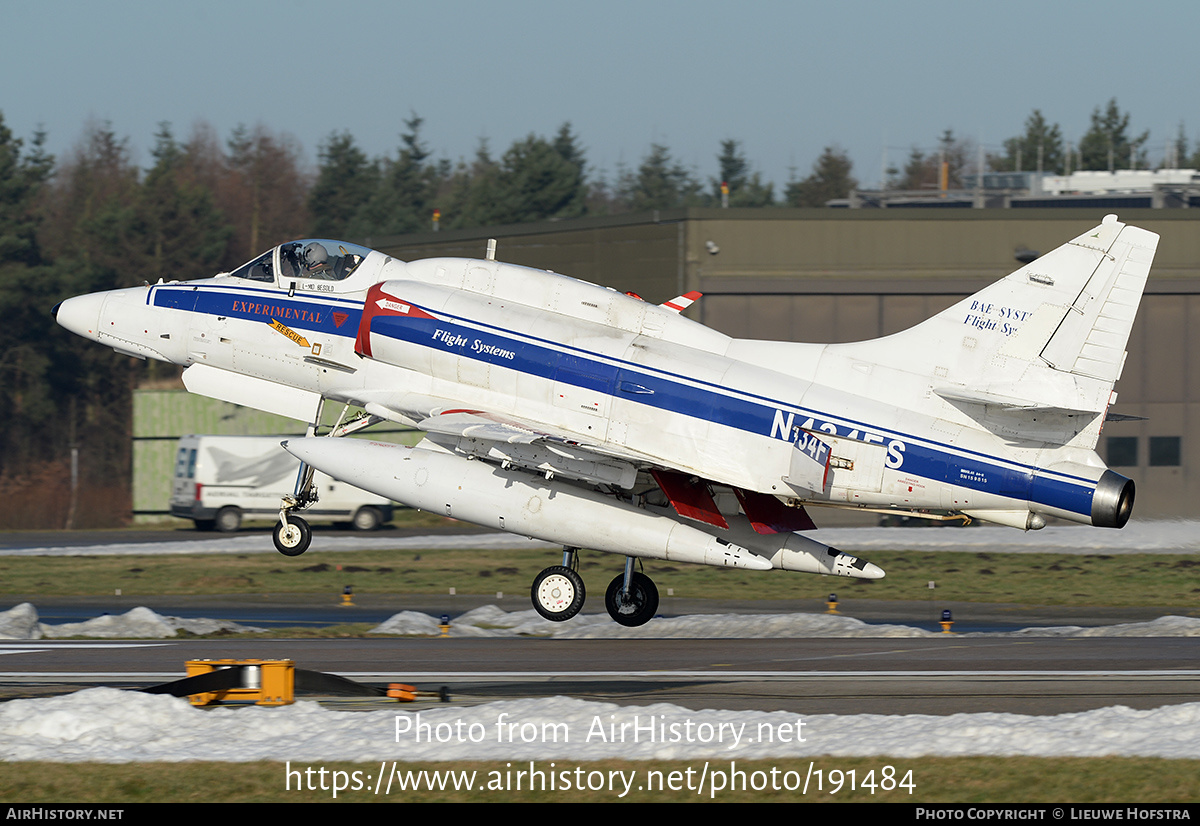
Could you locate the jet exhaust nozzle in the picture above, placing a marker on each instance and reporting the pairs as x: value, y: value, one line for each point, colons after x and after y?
x: 1112, y: 503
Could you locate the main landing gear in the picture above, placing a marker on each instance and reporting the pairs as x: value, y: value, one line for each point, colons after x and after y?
x: 633, y: 605
x: 558, y: 593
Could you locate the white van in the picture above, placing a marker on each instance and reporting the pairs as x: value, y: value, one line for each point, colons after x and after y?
x: 221, y: 480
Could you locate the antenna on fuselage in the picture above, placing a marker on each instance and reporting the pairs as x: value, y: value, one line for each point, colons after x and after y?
x: 491, y: 251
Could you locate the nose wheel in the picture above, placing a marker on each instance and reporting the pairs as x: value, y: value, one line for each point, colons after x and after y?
x: 635, y: 608
x: 292, y: 537
x: 557, y: 593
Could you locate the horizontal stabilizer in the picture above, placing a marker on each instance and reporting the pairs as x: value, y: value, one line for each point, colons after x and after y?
x: 1000, y: 398
x: 1053, y: 418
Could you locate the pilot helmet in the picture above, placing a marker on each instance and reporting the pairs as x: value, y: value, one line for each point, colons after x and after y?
x: 315, y: 256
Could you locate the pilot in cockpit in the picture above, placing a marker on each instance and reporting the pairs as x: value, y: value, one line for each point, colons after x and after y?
x: 316, y: 262
x: 310, y: 259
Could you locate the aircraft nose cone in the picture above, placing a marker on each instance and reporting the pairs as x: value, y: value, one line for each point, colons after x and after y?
x: 81, y: 314
x: 872, y: 571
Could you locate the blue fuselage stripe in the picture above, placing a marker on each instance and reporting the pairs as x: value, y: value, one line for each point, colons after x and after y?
x: 338, y: 320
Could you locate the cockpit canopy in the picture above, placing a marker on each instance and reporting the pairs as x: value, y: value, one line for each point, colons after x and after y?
x: 310, y: 259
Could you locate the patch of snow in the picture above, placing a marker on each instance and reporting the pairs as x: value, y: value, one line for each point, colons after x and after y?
x: 111, y: 726
x: 21, y: 623
x: 491, y: 621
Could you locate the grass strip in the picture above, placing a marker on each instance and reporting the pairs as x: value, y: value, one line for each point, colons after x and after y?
x: 1123, y: 780
x: 1130, y: 580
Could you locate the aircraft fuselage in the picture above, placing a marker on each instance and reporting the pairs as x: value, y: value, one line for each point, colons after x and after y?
x: 607, y: 369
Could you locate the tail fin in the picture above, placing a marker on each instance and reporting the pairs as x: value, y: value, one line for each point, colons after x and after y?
x: 1091, y: 337
x: 1036, y: 353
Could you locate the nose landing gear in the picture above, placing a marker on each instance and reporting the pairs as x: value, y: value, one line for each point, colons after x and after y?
x: 291, y: 535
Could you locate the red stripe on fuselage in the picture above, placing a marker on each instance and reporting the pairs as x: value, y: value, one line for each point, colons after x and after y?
x: 379, y: 303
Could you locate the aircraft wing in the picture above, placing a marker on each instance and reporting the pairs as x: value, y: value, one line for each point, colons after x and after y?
x: 510, y: 441
x: 532, y: 446
x: 475, y: 424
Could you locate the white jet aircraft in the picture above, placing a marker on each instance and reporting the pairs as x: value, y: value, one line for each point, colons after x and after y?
x: 572, y: 413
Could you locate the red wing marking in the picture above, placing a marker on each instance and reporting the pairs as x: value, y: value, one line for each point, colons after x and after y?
x: 768, y: 515
x: 690, y: 497
x: 682, y: 302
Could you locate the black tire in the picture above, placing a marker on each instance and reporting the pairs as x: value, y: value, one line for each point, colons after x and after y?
x: 367, y: 518
x: 295, y: 540
x: 639, y: 608
x: 557, y: 593
x: 229, y: 519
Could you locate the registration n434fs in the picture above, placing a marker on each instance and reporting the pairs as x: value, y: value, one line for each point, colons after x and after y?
x: 572, y: 413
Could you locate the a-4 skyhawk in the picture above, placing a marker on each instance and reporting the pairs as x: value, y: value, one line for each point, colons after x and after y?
x: 572, y: 413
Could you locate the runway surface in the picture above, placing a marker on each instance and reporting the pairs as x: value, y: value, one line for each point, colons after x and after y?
x: 939, y: 675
